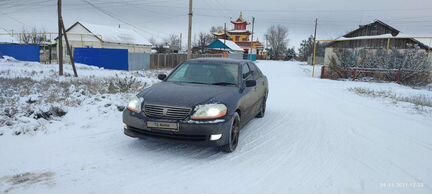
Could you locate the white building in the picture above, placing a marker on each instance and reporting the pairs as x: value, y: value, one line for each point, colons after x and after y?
x: 86, y: 35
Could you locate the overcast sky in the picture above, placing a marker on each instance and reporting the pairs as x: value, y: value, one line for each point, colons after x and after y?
x: 159, y: 18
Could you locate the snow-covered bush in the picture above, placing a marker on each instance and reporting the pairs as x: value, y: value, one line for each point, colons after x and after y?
x: 407, y: 66
x: 125, y: 84
x: 35, y: 102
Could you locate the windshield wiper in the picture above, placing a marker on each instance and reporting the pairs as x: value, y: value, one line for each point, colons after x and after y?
x: 195, y: 83
x: 223, y: 84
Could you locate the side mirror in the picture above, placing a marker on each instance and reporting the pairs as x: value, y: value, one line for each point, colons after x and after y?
x: 162, y: 76
x: 250, y: 83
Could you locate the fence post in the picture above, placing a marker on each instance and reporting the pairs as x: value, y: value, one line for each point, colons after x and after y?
x: 354, y: 75
x: 82, y: 42
x: 398, y: 76
x: 158, y: 61
x: 50, y: 52
x: 165, y: 61
x: 322, y: 71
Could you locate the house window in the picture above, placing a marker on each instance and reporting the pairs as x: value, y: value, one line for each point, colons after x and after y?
x: 236, y: 38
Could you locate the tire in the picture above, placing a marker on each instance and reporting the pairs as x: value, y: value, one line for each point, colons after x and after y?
x: 234, y: 135
x: 262, y: 109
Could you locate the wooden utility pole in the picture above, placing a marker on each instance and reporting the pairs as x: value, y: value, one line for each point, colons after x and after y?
x: 251, y: 46
x: 69, y: 49
x: 253, y: 25
x: 225, y: 34
x: 189, y: 53
x: 61, y: 32
x: 314, y: 48
x: 60, y: 38
x: 180, y: 41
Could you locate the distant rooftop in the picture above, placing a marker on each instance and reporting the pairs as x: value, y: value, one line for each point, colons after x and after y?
x: 228, y: 43
x: 112, y: 34
x: 240, y: 19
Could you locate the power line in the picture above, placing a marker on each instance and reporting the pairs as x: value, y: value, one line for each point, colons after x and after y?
x: 337, y: 21
x: 14, y: 19
x: 298, y: 10
x: 151, y: 4
x: 119, y: 19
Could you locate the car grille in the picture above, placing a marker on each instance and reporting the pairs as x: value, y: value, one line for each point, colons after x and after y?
x: 166, y: 112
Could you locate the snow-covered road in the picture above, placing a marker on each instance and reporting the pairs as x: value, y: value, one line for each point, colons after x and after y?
x: 316, y: 137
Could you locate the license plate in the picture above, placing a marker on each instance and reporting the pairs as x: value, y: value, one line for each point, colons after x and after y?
x: 162, y: 125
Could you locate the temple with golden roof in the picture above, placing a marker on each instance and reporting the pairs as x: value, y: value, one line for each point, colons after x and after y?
x: 241, y: 36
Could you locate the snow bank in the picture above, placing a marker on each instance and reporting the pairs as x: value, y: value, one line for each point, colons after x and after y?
x: 34, y: 96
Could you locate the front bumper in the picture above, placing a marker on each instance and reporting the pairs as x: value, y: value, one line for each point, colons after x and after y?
x: 197, y: 132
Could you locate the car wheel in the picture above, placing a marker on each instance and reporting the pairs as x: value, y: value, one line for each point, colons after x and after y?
x: 234, y: 135
x: 263, y: 109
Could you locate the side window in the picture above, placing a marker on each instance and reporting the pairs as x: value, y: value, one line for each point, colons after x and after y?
x: 253, y: 70
x: 246, y: 73
x: 257, y: 71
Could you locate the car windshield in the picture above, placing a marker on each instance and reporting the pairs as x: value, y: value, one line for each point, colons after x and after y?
x: 212, y: 74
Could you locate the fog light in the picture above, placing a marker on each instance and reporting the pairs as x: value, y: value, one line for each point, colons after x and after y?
x: 124, y: 126
x: 215, y: 137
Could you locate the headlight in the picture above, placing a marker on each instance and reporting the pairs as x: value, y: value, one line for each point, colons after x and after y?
x: 135, y: 104
x: 209, y: 111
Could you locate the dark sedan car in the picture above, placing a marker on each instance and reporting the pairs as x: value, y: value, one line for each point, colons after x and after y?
x: 201, y: 100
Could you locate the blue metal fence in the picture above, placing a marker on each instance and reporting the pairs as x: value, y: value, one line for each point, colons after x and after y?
x: 139, y: 61
x: 106, y: 58
x: 252, y: 57
x: 21, y: 52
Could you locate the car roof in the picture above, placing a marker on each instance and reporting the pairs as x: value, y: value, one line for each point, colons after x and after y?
x: 218, y: 60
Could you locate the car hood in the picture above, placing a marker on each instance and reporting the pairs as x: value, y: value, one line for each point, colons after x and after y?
x: 186, y: 94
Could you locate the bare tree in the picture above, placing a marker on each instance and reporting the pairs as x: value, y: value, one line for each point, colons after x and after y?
x: 277, y: 37
x: 33, y: 37
x: 204, y: 39
x: 153, y: 41
x: 215, y: 29
x: 173, y: 41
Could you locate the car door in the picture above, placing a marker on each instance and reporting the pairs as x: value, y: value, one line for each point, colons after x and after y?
x: 259, y: 90
x: 248, y: 99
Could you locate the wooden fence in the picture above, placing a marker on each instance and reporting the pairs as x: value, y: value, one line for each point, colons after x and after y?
x: 159, y: 61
